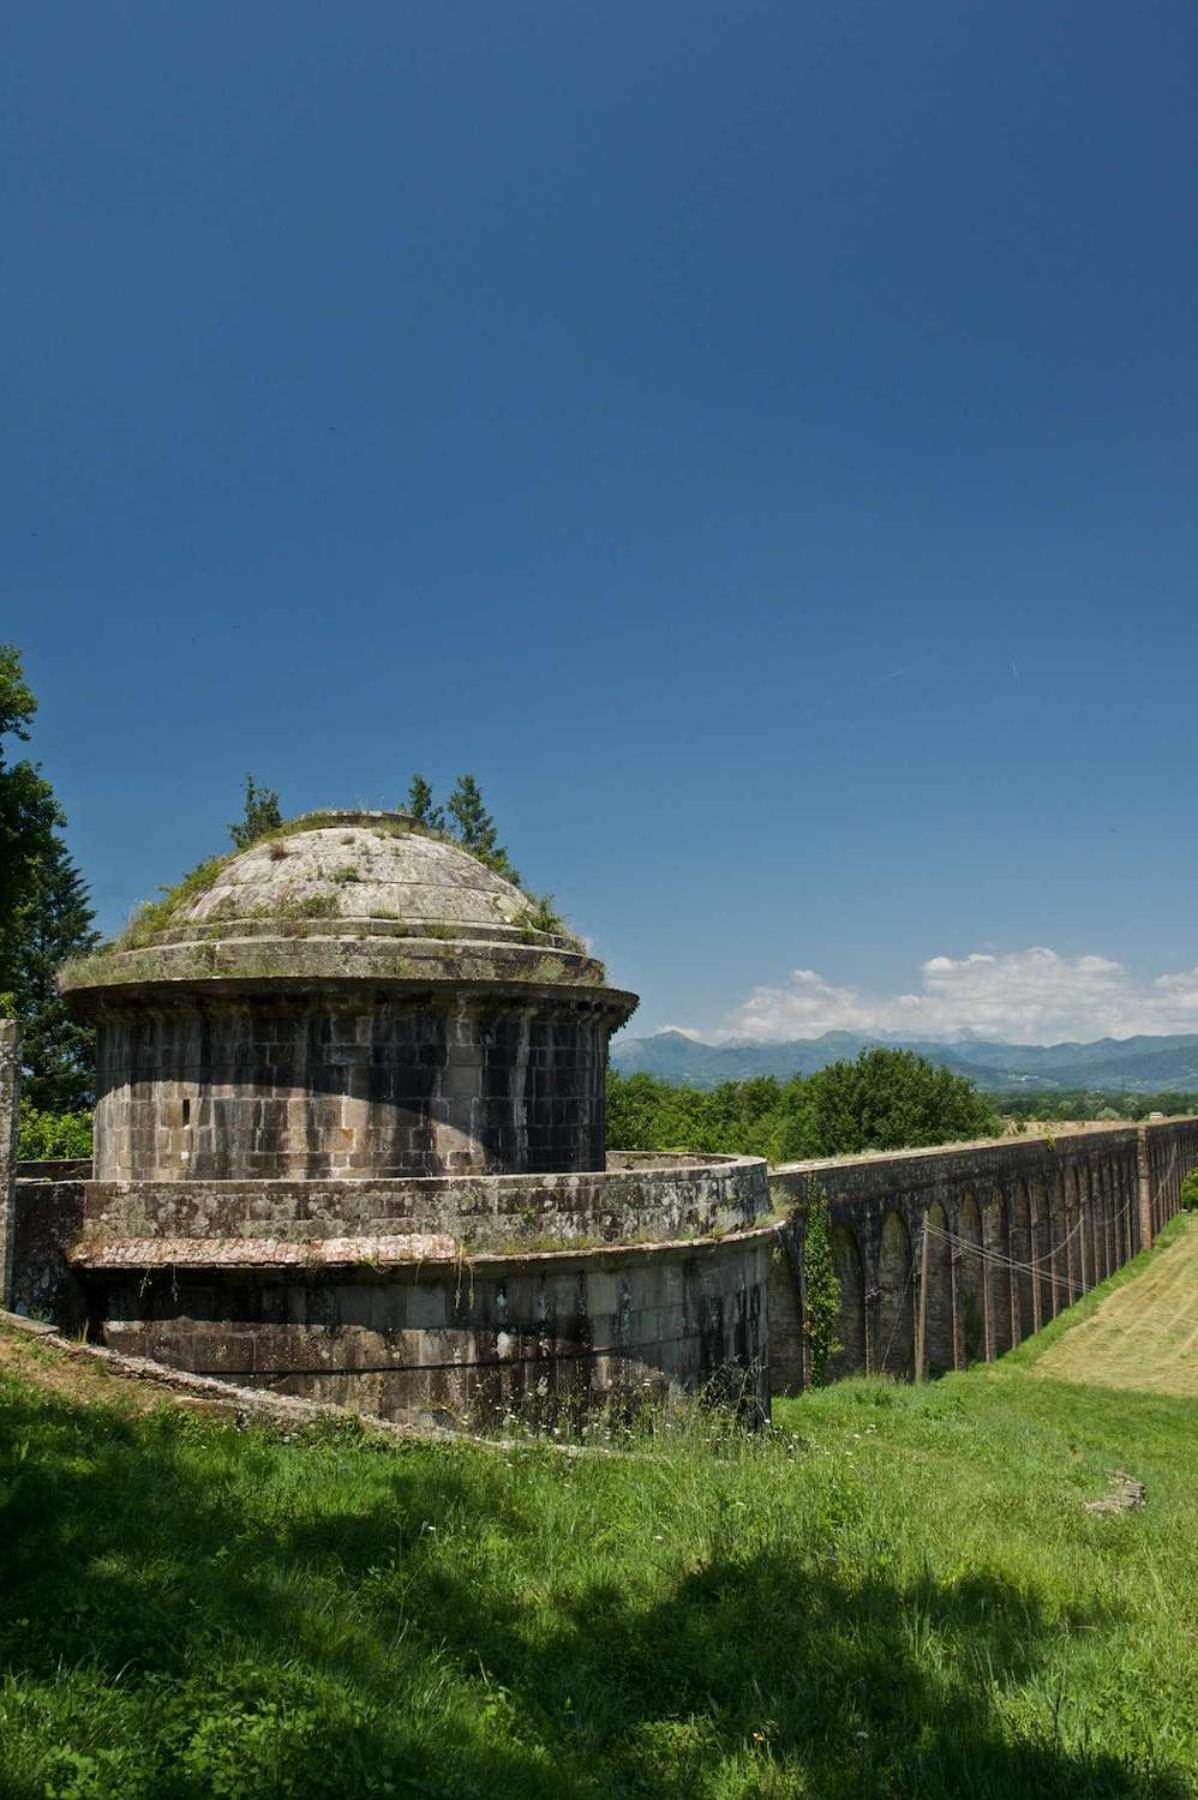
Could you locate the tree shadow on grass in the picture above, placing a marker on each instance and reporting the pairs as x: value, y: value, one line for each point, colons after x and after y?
x: 309, y: 1652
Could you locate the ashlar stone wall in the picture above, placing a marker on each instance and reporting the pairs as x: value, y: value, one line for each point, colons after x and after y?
x: 319, y: 1086
x: 950, y: 1256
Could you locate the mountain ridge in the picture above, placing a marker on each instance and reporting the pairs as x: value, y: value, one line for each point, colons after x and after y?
x: 1140, y: 1064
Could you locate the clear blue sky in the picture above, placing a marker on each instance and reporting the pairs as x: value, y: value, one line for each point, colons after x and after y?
x: 760, y: 441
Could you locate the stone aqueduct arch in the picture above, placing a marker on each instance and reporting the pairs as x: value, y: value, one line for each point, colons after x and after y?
x: 954, y: 1256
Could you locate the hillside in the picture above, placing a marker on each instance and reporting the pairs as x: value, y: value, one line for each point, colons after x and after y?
x: 897, y: 1591
x: 1142, y: 1065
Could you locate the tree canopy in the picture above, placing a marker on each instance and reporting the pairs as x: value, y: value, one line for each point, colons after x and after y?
x: 885, y: 1100
x: 468, y: 821
x: 45, y: 913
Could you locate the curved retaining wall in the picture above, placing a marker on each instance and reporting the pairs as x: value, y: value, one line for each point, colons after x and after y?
x: 635, y: 1196
x: 448, y: 1298
x: 951, y: 1256
x: 535, y: 1335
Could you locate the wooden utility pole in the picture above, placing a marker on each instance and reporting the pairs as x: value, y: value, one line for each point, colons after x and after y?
x: 921, y: 1318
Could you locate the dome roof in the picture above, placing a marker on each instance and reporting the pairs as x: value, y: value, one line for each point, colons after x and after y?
x: 357, y: 866
x: 337, y: 897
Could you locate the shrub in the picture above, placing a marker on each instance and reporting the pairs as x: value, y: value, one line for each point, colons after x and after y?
x: 53, y: 1137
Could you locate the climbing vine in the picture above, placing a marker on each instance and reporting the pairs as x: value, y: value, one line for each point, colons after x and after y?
x: 823, y: 1291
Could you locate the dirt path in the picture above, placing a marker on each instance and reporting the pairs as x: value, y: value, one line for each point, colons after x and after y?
x: 1144, y: 1335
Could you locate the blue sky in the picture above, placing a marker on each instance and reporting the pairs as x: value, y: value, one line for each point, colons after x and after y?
x: 759, y: 441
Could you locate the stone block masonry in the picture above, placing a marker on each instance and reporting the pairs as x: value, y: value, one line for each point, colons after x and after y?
x: 350, y: 1142
x: 306, y: 1087
x: 950, y: 1256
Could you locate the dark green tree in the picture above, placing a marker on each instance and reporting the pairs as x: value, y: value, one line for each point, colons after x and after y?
x: 45, y: 914
x: 55, y: 922
x: 420, y: 804
x: 888, y: 1099
x: 29, y: 815
x: 475, y: 829
x: 885, y: 1100
x: 261, y: 815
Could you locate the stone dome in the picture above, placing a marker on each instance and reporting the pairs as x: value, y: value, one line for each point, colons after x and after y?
x: 343, y: 896
x: 360, y: 866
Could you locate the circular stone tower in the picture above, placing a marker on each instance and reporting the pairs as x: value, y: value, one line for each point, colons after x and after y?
x: 350, y: 998
x: 350, y: 1146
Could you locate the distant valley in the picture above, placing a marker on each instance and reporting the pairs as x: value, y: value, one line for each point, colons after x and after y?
x: 1137, y: 1065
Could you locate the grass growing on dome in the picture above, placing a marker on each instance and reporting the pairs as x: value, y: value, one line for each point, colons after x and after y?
x: 540, y: 918
x: 156, y: 915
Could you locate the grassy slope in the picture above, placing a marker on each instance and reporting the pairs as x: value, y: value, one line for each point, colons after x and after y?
x: 896, y: 1593
x: 1145, y: 1335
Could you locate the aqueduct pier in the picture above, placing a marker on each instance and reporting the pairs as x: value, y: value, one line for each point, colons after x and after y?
x: 950, y: 1256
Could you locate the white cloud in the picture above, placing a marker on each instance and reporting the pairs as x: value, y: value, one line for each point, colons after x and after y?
x: 1031, y: 996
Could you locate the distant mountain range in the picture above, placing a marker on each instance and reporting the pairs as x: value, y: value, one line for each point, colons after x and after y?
x: 1137, y: 1065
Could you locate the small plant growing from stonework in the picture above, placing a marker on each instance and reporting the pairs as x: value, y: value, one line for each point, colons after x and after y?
x: 312, y: 906
x: 346, y: 873
x: 260, y: 818
x: 541, y: 918
x: 540, y: 915
x: 823, y: 1292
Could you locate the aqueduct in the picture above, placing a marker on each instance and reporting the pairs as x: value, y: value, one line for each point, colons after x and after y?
x: 950, y: 1256
x: 351, y: 1146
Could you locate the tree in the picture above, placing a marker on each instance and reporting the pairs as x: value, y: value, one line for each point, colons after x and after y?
x: 888, y: 1099
x: 885, y: 1100
x: 29, y: 814
x: 45, y: 914
x: 420, y: 805
x: 55, y: 922
x: 261, y: 815
x: 475, y: 829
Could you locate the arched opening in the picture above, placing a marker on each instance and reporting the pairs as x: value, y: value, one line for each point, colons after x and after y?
x: 998, y: 1276
x: 1042, y: 1244
x: 1127, y: 1192
x: 896, y: 1318
x: 971, y: 1303
x: 938, y: 1300
x: 1121, y: 1240
x: 1110, y: 1261
x: 1024, y: 1320
x: 1085, y: 1230
x: 1073, y: 1238
x: 850, y: 1327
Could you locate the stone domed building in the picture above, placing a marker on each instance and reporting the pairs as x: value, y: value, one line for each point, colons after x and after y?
x: 350, y: 1144
x: 354, y: 997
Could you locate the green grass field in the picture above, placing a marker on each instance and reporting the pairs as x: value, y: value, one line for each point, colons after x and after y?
x: 1144, y: 1335
x: 896, y: 1592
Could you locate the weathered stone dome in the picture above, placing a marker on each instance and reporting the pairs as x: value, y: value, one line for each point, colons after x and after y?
x: 341, y: 896
x: 362, y: 867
